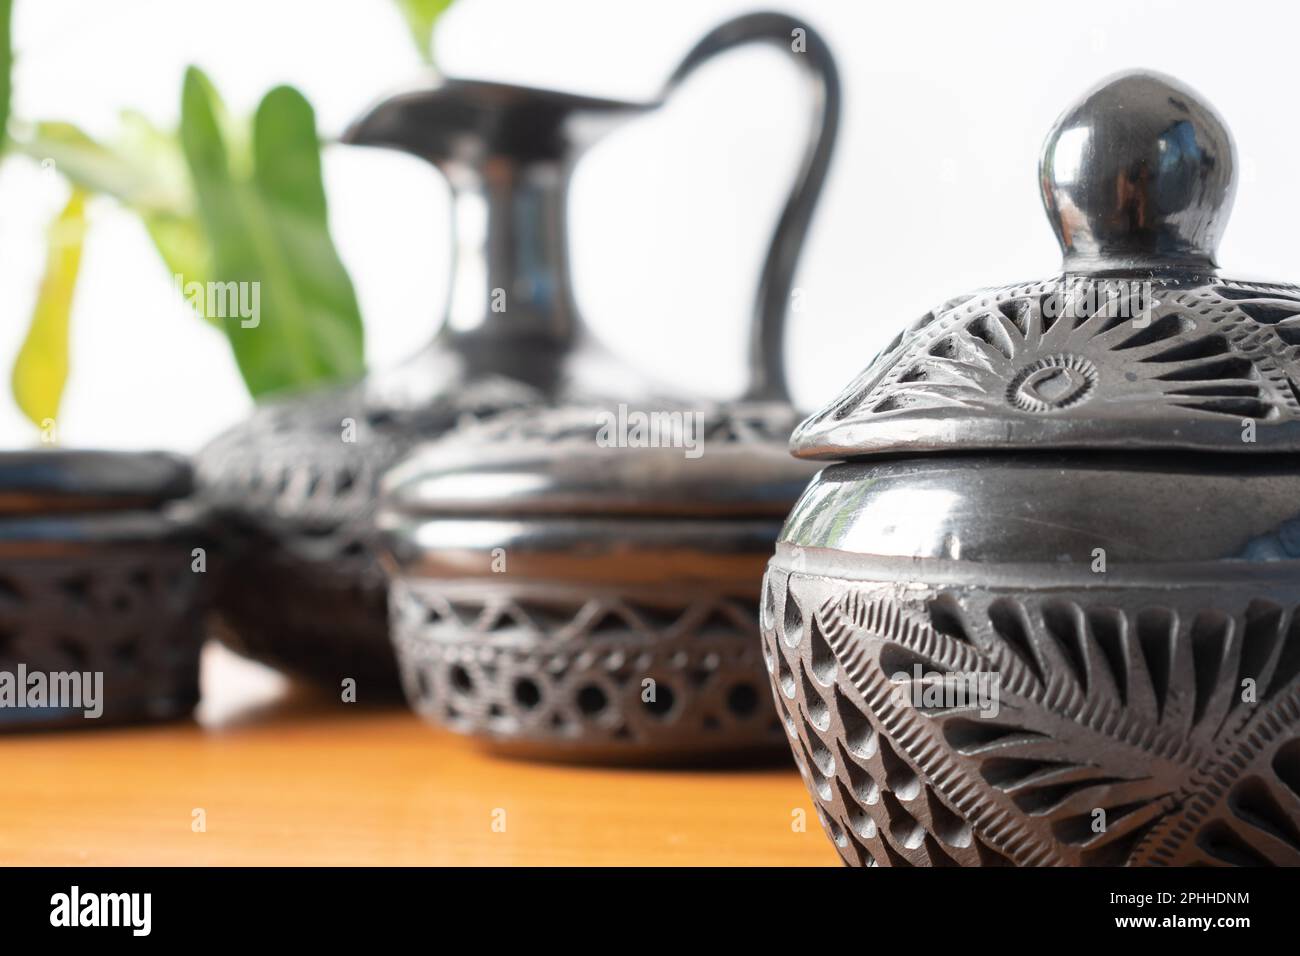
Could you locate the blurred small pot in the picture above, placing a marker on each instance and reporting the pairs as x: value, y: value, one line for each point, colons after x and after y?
x: 103, y: 585
x: 557, y: 597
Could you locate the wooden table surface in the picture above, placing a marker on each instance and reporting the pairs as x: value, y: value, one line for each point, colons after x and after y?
x: 284, y: 776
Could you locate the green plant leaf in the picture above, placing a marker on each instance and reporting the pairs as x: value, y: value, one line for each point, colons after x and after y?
x: 421, y: 16
x: 183, y: 247
x: 265, y: 219
x: 144, y: 170
x: 96, y: 167
x: 6, y: 65
x: 41, y: 369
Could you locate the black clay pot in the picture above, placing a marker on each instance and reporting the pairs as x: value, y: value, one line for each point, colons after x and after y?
x: 555, y: 597
x: 1042, y: 608
x: 104, y: 571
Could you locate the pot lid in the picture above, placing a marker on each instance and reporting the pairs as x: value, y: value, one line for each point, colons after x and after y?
x: 1139, y: 343
x: 587, y: 460
x: 35, y: 482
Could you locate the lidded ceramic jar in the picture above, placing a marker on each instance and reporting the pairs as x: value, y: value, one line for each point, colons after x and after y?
x: 581, y: 581
x: 306, y: 591
x: 104, y: 571
x: 558, y: 596
x: 1043, y: 605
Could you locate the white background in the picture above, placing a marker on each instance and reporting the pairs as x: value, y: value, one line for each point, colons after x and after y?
x: 932, y: 190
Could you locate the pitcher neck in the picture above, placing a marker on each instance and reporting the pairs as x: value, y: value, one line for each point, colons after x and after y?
x: 510, y: 258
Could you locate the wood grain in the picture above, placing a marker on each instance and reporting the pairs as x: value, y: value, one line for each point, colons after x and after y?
x: 287, y: 777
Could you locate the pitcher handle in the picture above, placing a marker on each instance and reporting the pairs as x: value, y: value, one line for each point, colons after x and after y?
x: 767, y: 378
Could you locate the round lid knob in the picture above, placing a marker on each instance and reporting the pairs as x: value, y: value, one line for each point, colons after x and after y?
x: 1138, y: 175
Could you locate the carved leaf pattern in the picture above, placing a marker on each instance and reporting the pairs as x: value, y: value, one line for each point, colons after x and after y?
x: 1121, y: 733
